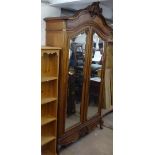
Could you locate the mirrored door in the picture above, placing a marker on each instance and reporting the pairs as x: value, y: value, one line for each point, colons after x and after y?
x: 95, y: 75
x: 77, y: 51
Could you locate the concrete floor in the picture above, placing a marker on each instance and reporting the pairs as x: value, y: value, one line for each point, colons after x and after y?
x: 98, y: 142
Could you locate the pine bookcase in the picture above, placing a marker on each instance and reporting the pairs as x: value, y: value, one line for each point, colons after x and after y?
x: 49, y: 99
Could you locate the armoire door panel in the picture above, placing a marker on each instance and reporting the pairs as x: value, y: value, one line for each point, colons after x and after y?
x: 75, y: 86
x: 94, y: 76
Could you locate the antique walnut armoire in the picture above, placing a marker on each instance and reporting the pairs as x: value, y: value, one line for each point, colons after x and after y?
x: 84, y: 39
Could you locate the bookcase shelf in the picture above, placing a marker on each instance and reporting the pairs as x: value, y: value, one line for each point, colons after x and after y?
x: 49, y: 94
x: 47, y: 100
x: 45, y: 120
x: 47, y: 78
x: 46, y: 140
x: 49, y: 89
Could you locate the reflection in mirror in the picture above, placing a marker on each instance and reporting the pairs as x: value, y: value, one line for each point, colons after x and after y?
x: 75, y: 79
x: 95, y: 77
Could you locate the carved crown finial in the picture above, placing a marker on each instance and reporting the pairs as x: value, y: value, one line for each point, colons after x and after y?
x: 94, y: 9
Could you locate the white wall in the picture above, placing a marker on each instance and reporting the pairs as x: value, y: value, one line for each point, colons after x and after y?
x: 107, y: 12
x: 47, y: 11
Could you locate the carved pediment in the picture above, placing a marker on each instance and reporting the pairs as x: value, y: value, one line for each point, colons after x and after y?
x: 94, y: 9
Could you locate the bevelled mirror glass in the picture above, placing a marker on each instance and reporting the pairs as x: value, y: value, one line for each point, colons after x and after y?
x: 95, y: 75
x: 76, y: 63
